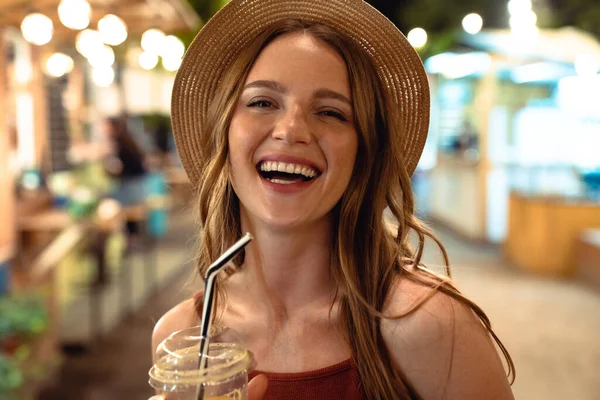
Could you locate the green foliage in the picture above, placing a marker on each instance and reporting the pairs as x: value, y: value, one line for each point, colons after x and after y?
x: 23, y: 315
x: 11, y: 377
x: 589, y: 20
x: 153, y: 121
x: 439, y: 43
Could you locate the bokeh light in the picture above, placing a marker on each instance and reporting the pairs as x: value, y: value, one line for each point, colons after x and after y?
x: 587, y: 64
x: 472, y: 23
x: 152, y: 40
x: 59, y: 64
x: 112, y: 30
x: 171, y: 64
x: 37, y: 29
x: 148, y: 60
x: 417, y: 37
x: 88, y: 41
x: 74, y: 14
x: 103, y: 56
x: 103, y: 76
x: 172, y: 48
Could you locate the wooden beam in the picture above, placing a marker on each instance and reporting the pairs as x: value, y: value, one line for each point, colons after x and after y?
x: 139, y: 15
x: 7, y: 199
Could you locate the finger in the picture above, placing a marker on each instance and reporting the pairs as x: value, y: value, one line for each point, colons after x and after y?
x: 156, y: 398
x: 257, y: 387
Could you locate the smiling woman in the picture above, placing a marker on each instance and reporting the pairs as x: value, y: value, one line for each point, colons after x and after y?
x: 304, y: 138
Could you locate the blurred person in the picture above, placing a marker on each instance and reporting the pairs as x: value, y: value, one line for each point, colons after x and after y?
x: 126, y: 165
x: 162, y: 141
x: 309, y: 134
x: 468, y: 137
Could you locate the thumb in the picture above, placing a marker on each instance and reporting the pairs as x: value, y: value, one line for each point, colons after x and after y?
x: 257, y: 387
x: 156, y: 398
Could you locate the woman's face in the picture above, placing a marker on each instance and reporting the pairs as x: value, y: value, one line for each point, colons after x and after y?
x: 292, y: 140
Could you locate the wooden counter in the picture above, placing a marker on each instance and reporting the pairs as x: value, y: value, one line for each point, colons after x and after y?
x: 588, y: 257
x: 543, y: 232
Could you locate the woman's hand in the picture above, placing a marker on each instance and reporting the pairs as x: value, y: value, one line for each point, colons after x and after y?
x: 256, y: 389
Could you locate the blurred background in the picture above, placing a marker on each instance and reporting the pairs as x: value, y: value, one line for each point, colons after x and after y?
x: 97, y: 231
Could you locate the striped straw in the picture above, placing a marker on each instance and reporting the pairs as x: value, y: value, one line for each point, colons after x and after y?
x: 207, y: 308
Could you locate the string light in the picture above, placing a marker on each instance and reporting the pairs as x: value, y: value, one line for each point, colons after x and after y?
x: 59, y: 64
x: 74, y: 14
x: 103, y: 76
x: 417, y: 37
x: 148, y: 60
x: 112, y: 30
x: 472, y: 23
x: 152, y: 40
x: 37, y: 29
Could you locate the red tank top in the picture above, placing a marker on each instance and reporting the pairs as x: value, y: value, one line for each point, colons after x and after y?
x: 336, y: 382
x: 339, y: 381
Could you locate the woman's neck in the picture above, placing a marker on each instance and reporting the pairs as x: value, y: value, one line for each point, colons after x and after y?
x: 285, y: 272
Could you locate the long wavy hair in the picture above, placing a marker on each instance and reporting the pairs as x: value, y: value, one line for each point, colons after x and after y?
x: 367, y: 256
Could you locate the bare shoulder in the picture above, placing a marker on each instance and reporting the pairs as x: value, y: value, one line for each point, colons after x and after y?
x: 442, y: 347
x: 182, y: 316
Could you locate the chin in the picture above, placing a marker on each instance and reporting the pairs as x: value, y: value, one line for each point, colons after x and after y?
x: 284, y: 222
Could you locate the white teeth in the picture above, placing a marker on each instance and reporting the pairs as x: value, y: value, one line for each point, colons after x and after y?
x: 307, y: 171
x: 281, y: 181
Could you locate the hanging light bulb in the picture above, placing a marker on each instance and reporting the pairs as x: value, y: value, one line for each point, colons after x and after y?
x: 74, y: 14
x: 88, y: 41
x: 103, y: 76
x: 59, y: 64
x: 103, y: 56
x: 148, y: 60
x: 112, y: 30
x: 172, y: 47
x: 152, y: 40
x: 37, y: 28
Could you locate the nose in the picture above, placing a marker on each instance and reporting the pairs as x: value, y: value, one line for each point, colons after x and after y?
x: 293, y: 127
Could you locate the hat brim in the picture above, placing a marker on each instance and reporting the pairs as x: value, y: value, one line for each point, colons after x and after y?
x: 239, y: 22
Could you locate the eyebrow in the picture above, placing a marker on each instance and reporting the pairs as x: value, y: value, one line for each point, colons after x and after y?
x: 320, y: 94
x: 267, y: 84
x: 330, y: 94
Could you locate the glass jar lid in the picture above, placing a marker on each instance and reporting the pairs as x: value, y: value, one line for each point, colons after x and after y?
x: 177, y: 358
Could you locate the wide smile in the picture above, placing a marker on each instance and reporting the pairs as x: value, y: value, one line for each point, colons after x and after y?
x: 284, y: 176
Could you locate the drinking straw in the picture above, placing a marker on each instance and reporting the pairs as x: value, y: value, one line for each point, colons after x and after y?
x: 207, y: 308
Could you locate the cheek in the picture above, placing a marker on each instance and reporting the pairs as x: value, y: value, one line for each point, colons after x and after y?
x: 347, y: 154
x: 234, y: 152
x: 242, y: 145
x: 342, y: 156
x: 236, y: 139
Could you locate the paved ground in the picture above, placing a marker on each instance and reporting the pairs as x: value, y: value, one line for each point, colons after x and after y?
x: 551, y: 328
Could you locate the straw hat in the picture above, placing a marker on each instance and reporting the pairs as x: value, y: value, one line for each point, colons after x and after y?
x: 240, y: 21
